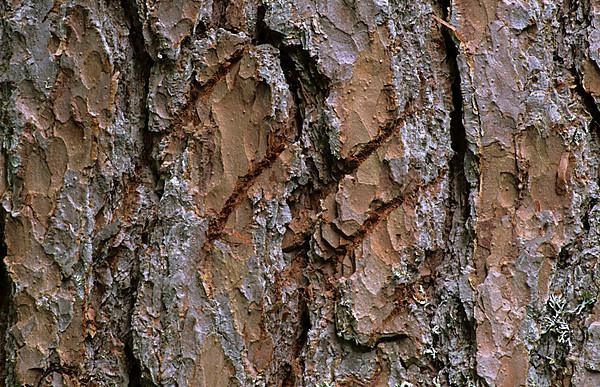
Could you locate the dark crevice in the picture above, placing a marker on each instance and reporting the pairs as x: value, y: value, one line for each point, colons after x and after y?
x: 292, y: 372
x: 133, y: 363
x: 588, y: 101
x: 308, y: 86
x: 586, y: 214
x: 469, y: 331
x: 264, y: 34
x: 289, y: 377
x: 458, y: 135
x: 457, y: 227
x: 460, y: 187
x: 364, y: 348
x: 564, y: 259
x: 6, y: 294
x: 309, y: 89
x: 134, y: 367
x: 143, y: 63
x: 136, y: 31
x: 305, y: 324
x: 304, y: 81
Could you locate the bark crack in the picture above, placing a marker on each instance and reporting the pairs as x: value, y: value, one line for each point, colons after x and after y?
x: 309, y: 89
x: 350, y: 165
x: 288, y: 60
x: 364, y: 348
x: 459, y: 231
x: 134, y: 367
x: 188, y: 115
x: 588, y: 101
x: 379, y: 214
x: 243, y: 184
x: 143, y: 65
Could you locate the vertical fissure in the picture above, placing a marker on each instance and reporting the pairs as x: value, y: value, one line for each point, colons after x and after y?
x: 134, y: 368
x: 458, y: 229
x: 458, y: 135
x: 144, y: 64
x: 147, y: 165
x: 308, y: 86
x: 309, y: 89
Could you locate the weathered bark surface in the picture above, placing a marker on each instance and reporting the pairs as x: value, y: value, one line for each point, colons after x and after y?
x: 306, y: 193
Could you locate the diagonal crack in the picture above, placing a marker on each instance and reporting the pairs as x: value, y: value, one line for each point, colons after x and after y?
x: 187, y: 114
x: 242, y: 185
x: 198, y: 90
x: 381, y: 213
x: 349, y: 166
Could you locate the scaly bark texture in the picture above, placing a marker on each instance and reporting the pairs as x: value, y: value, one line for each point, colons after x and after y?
x: 300, y: 193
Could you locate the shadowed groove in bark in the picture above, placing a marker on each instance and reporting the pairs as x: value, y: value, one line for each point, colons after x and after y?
x: 460, y: 188
x: 144, y: 63
x: 305, y: 323
x: 292, y: 372
x: 308, y: 86
x: 588, y: 101
x: 309, y: 89
x: 263, y: 34
x: 457, y: 128
x: 362, y: 348
x: 134, y: 368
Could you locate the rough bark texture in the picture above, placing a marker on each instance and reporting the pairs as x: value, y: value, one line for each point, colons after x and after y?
x: 300, y: 193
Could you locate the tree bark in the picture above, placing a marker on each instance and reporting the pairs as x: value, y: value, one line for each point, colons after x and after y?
x: 300, y: 193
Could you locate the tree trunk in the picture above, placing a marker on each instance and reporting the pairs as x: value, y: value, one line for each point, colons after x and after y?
x: 300, y: 193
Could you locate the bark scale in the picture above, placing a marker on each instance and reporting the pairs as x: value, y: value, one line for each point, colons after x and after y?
x: 300, y: 193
